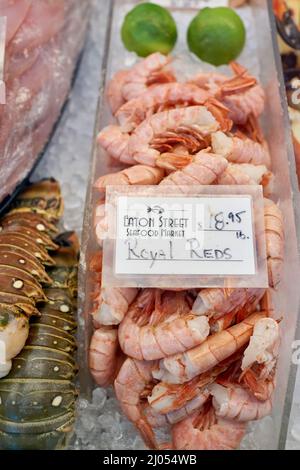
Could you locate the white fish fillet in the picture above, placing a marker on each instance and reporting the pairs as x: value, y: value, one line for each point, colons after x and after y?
x: 43, y: 41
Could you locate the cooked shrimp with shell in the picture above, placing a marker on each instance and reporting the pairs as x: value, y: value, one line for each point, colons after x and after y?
x: 198, y: 363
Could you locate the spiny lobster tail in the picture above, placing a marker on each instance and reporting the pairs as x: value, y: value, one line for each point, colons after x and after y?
x: 43, y: 198
x: 37, y: 399
x: 27, y: 235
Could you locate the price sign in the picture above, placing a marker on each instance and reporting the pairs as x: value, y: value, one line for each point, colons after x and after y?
x: 201, y: 239
x: 185, y: 236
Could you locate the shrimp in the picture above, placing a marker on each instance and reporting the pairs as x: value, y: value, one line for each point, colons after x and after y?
x: 237, y: 315
x: 220, y: 113
x: 128, y: 84
x: 110, y: 304
x: 101, y: 223
x: 180, y: 400
x: 159, y: 324
x: 171, y: 403
x: 114, y: 90
x: 208, y: 80
x: 131, y: 385
x: 190, y: 128
x: 197, y: 122
x: 103, y: 355
x: 156, y: 99
x: 164, y: 421
x: 231, y: 401
x: 183, y: 367
x: 115, y: 142
x: 235, y: 174
x: 113, y: 304
x: 184, y: 398
x: 204, y: 169
x: 159, y: 419
x: 223, y: 323
x: 204, y: 430
x: 135, y: 175
x: 233, y: 317
x: 246, y: 173
x: 241, y: 94
x: 217, y: 302
x: 150, y: 71
x: 259, y: 360
x: 241, y: 149
x: 274, y: 241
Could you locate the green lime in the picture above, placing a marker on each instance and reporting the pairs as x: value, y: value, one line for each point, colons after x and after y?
x: 217, y: 35
x: 149, y: 28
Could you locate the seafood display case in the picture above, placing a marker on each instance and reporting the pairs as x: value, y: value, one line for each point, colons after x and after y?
x: 262, y: 59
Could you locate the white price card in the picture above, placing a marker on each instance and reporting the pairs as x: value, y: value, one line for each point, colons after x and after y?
x: 196, y: 239
x: 185, y: 236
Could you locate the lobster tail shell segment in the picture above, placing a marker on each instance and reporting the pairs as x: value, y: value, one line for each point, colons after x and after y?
x: 15, y: 257
x: 31, y: 220
x: 43, y: 198
x: 37, y: 398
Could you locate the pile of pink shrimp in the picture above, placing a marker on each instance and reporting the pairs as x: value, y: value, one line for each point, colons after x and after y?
x: 199, y: 363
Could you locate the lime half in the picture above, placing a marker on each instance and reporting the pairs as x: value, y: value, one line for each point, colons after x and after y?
x: 217, y: 35
x: 149, y: 28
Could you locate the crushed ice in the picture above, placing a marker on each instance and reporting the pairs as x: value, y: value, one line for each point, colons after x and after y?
x: 101, y: 425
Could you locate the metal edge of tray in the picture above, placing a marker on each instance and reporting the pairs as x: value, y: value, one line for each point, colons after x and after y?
x: 296, y: 205
x: 84, y: 376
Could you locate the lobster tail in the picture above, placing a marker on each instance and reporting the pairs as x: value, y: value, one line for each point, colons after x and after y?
x: 27, y: 234
x: 37, y: 398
